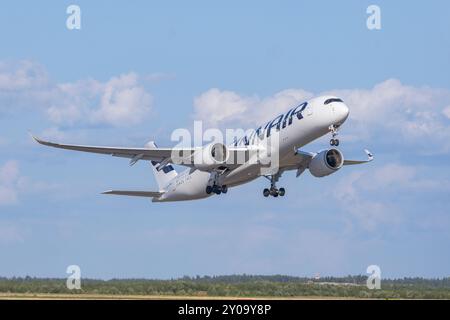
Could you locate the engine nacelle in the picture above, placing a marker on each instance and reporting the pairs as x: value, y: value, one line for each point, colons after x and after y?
x: 326, y: 162
x: 210, y: 157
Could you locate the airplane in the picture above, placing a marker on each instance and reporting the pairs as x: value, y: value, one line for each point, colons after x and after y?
x: 209, y: 171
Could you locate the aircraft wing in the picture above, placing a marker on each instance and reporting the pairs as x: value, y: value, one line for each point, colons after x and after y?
x: 149, y: 194
x: 157, y: 154
x: 162, y: 155
x: 351, y: 162
x: 300, y: 161
x: 303, y: 158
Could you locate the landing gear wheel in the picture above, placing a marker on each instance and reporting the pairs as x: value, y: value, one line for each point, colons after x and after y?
x: 334, y: 142
x: 216, y: 189
x: 274, y: 191
x: 224, y: 189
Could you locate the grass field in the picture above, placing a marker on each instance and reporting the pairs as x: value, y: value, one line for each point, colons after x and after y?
x: 49, y: 296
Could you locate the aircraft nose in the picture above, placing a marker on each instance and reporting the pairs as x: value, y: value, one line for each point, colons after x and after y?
x: 342, y: 112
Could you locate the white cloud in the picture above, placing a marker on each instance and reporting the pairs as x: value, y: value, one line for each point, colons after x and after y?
x: 8, y: 195
x: 21, y: 75
x: 219, y: 108
x: 23, y: 85
x: 123, y: 101
x: 53, y: 133
x: 366, y: 194
x: 215, y: 106
x: 403, y: 113
x: 446, y: 112
x: 388, y: 98
x: 390, y: 175
x: 13, y: 184
x: 9, y: 175
x: 119, y: 101
x: 390, y: 111
x: 368, y: 213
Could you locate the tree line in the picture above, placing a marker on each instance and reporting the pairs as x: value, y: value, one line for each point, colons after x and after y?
x: 239, y: 286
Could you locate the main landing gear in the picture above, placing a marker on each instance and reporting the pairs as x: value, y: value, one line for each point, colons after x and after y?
x: 216, y: 189
x: 214, y: 185
x: 274, y: 191
x: 334, y: 132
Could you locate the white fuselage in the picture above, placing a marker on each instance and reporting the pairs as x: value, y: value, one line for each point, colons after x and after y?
x: 296, y: 127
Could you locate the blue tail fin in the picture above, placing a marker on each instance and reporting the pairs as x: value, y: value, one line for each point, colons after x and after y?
x: 163, y: 175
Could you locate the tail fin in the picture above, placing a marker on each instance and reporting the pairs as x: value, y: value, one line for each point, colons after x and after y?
x: 162, y: 175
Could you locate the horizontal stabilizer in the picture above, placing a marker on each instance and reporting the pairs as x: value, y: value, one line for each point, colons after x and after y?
x: 149, y: 194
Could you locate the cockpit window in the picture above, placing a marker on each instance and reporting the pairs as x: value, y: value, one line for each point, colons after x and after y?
x: 333, y: 100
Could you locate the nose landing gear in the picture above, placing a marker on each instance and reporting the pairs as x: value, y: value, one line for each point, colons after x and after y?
x: 334, y: 132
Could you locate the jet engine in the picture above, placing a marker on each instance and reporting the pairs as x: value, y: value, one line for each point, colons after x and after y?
x: 210, y: 157
x: 326, y: 162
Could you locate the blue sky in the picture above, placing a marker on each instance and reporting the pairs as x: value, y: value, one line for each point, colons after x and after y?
x: 135, y: 72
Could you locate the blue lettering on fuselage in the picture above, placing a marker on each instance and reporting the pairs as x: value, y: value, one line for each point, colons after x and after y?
x: 275, y: 123
x: 280, y: 122
x: 298, y: 111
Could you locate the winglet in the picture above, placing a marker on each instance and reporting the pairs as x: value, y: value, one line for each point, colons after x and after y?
x: 369, y: 155
x: 40, y: 141
x: 35, y: 138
